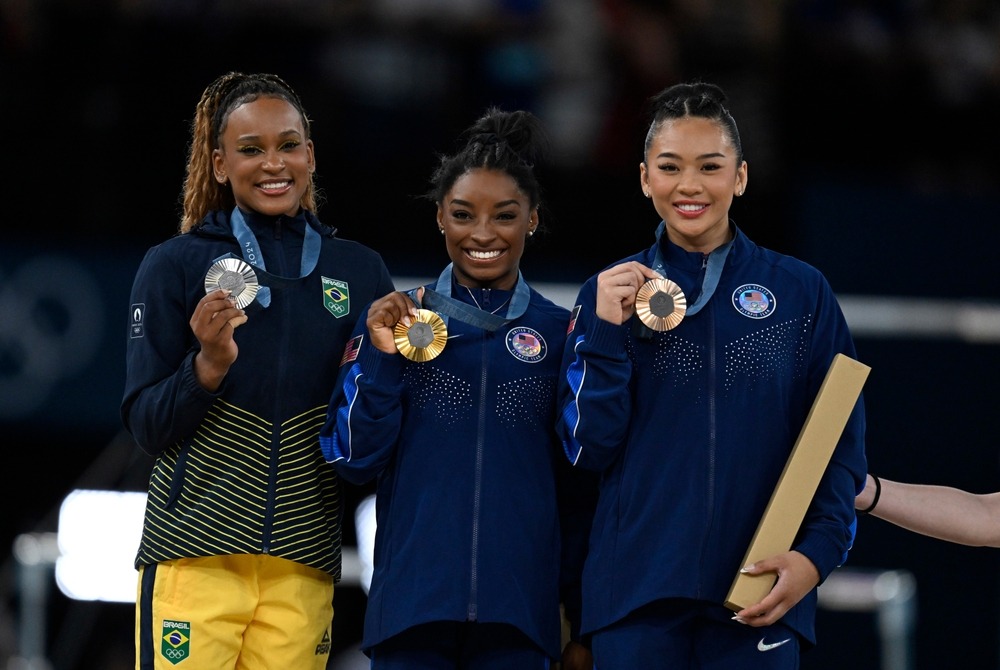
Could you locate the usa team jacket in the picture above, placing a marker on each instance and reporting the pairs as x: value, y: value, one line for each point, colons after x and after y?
x: 240, y: 471
x: 691, y: 428
x: 466, y: 458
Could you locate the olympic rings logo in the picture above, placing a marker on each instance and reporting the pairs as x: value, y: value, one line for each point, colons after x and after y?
x: 174, y: 654
x: 52, y: 325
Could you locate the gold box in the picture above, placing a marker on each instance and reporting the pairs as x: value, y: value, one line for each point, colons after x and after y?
x: 805, y: 467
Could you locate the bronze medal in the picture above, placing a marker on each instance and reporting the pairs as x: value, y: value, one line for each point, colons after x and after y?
x: 424, y: 339
x: 660, y: 304
x: 236, y: 276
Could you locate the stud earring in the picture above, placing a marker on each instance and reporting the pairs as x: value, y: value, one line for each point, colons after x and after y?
x: 646, y: 193
x: 530, y: 233
x: 441, y: 228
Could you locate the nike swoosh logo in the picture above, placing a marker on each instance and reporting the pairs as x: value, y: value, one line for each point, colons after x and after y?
x: 763, y: 646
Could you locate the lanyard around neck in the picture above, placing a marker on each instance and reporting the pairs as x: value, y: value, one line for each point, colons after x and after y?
x: 441, y: 301
x: 716, y: 261
x: 252, y: 253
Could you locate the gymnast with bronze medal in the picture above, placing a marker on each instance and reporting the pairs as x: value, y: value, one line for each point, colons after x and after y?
x: 689, y: 372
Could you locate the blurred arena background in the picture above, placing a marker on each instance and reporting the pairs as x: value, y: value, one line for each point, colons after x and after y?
x: 871, y: 133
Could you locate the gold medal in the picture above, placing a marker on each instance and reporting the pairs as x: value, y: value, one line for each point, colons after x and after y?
x: 660, y: 304
x: 236, y: 276
x: 424, y: 339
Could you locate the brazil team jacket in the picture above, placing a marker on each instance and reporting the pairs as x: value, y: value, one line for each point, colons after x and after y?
x: 464, y: 450
x: 239, y: 471
x: 691, y: 428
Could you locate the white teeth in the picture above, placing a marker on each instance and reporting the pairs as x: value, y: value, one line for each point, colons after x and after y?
x: 274, y: 185
x: 690, y: 208
x: 484, y: 255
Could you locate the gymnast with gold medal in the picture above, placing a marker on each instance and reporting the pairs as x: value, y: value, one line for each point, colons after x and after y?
x: 447, y: 399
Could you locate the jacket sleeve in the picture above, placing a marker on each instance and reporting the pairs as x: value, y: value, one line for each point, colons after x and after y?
x: 594, y: 396
x: 365, y: 413
x: 828, y: 530
x: 163, y: 401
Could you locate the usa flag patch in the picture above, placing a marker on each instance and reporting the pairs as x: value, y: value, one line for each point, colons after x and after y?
x: 351, y: 350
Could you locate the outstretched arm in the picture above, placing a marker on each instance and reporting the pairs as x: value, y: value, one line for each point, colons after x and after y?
x: 942, y: 512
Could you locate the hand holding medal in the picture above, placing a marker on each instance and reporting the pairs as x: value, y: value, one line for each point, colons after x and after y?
x: 422, y: 336
x: 236, y: 276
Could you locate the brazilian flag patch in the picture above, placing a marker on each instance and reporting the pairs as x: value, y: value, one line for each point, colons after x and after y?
x: 336, y: 297
x: 175, y: 642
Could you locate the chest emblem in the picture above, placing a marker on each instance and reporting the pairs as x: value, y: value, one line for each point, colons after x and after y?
x: 754, y: 301
x: 526, y: 344
x: 336, y: 297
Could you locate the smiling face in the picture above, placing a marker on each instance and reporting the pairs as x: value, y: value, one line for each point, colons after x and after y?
x: 486, y: 219
x: 265, y: 156
x: 692, y: 174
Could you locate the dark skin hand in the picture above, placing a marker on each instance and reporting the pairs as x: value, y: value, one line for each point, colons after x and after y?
x: 213, y: 323
x: 385, y: 313
x: 576, y: 657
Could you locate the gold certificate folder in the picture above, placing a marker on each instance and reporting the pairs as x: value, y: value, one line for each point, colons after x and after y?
x: 795, y: 489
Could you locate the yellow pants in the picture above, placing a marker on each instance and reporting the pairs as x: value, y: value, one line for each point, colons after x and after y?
x: 241, y: 612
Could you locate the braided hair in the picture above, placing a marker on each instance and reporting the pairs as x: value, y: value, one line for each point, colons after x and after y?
x: 202, y: 193
x: 700, y: 99
x: 511, y: 142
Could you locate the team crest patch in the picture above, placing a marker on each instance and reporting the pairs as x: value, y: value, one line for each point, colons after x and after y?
x: 754, y: 301
x: 336, y: 297
x: 175, y: 642
x: 526, y: 344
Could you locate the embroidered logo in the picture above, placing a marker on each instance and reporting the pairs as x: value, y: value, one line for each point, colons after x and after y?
x: 526, y: 344
x: 336, y: 297
x: 572, y: 319
x: 351, y: 350
x: 135, y: 328
x: 175, y: 643
x: 323, y: 647
x: 763, y: 646
x: 754, y: 301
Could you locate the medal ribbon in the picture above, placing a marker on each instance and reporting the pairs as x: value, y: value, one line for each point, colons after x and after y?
x: 252, y: 254
x: 716, y: 261
x: 441, y: 302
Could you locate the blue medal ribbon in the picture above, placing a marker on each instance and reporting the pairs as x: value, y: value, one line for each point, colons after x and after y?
x: 253, y: 256
x: 716, y: 261
x: 442, y: 302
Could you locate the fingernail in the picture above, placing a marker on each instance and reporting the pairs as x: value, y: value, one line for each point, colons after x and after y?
x: 737, y: 619
x: 747, y: 568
